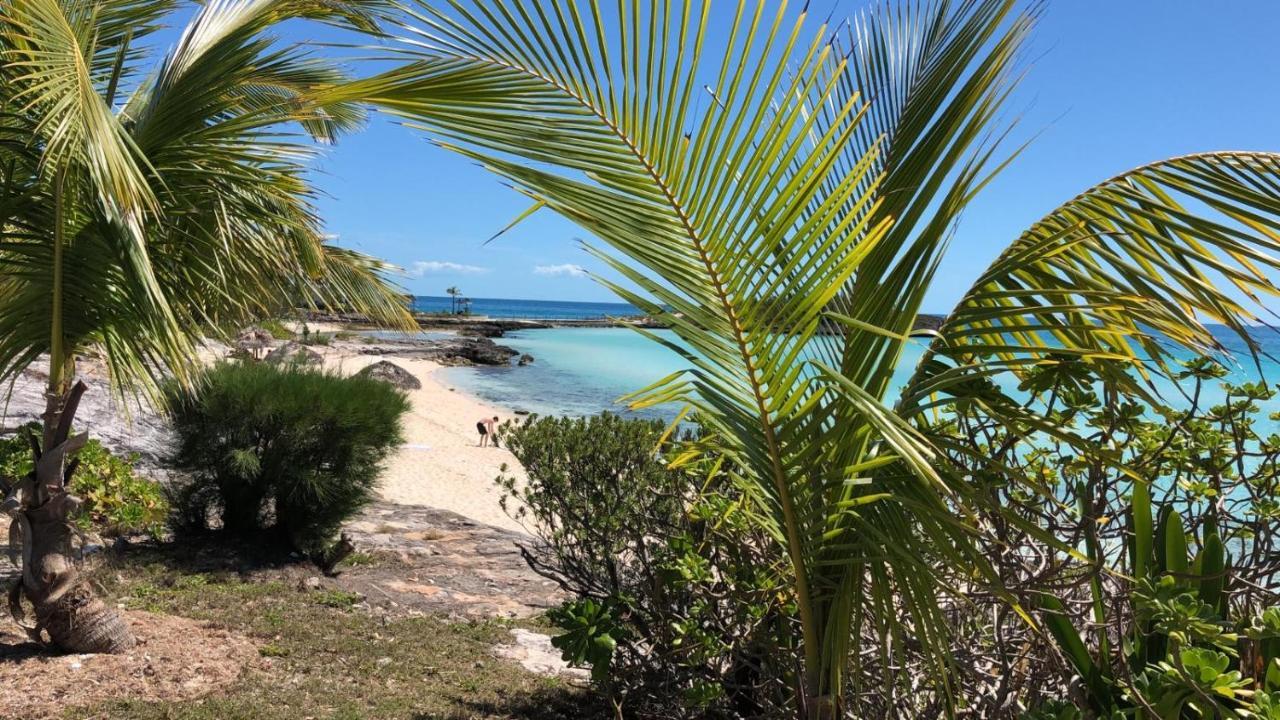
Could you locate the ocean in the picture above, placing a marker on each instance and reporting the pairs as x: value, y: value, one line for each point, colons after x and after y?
x: 528, y: 309
x: 583, y: 371
x: 576, y: 371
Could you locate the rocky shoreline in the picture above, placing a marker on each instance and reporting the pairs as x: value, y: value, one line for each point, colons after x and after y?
x: 461, y: 350
x: 486, y: 327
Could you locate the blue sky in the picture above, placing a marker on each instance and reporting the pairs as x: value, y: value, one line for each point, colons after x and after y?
x: 1111, y: 84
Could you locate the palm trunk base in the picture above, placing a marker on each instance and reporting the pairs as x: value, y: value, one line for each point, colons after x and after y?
x: 79, y: 622
x: 67, y: 610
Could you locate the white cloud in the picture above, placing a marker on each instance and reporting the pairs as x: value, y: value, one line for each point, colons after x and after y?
x: 566, y: 269
x: 439, y: 267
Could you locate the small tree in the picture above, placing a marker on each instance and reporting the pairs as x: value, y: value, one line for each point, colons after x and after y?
x: 137, y: 228
x: 819, y: 188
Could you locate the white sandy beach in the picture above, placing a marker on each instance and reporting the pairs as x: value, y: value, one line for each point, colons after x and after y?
x: 439, y: 464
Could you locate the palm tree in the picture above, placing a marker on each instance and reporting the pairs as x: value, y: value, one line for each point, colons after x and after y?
x: 453, y: 293
x: 143, y: 208
x: 818, y: 180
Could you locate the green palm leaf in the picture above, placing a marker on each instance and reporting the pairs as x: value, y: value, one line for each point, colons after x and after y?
x: 1122, y: 275
x: 742, y: 226
x: 48, y: 54
x: 186, y: 210
x: 758, y: 190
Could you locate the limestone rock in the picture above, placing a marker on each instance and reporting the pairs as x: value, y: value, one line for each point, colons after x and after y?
x: 536, y: 654
x: 451, y: 351
x: 525, y: 359
x: 481, y: 351
x: 136, y: 428
x: 445, y: 564
x: 389, y: 372
x: 292, y: 353
x: 487, y: 330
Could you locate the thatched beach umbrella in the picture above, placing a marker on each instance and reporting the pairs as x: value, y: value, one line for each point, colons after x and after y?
x: 253, y: 340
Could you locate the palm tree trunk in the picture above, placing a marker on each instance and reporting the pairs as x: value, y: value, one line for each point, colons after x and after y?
x: 41, y: 507
x: 67, y: 610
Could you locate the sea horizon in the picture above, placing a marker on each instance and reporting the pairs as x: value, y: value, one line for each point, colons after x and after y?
x: 526, y: 309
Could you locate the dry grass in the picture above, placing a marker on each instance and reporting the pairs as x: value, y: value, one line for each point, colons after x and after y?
x: 322, y: 655
x: 175, y: 659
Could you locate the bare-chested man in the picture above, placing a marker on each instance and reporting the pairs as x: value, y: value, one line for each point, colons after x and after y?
x: 486, y: 428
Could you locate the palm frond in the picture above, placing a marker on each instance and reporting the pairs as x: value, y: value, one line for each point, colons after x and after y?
x: 793, y: 194
x: 48, y: 52
x: 353, y: 280
x: 1122, y: 277
x: 223, y: 133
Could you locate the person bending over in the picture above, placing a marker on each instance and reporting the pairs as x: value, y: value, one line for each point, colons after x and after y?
x: 486, y: 428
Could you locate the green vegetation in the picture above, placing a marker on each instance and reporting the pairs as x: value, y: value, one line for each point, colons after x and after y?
x: 316, y: 338
x: 1170, y: 603
x: 821, y: 549
x: 820, y: 186
x: 276, y: 329
x: 117, y: 501
x: 288, y: 448
x: 151, y: 201
x: 677, y: 604
x: 329, y: 661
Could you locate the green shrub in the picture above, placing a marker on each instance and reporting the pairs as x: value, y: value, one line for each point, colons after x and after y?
x: 339, y: 599
x: 285, y: 448
x: 677, y: 605
x: 277, y: 329
x: 1154, y: 588
x: 317, y: 338
x: 117, y: 501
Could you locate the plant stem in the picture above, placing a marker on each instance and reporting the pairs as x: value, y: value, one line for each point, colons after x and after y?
x: 57, y: 342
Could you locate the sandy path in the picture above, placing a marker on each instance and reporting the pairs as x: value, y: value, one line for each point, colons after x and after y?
x: 439, y: 464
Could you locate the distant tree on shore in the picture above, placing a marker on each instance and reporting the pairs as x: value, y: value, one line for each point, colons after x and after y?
x: 454, y: 293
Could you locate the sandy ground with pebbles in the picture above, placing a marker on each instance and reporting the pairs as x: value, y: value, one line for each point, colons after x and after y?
x: 440, y: 464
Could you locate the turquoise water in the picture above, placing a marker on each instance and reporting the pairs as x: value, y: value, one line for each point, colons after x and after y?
x: 576, y: 371
x: 583, y: 371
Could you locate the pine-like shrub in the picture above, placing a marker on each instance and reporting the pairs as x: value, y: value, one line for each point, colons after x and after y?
x: 292, y: 449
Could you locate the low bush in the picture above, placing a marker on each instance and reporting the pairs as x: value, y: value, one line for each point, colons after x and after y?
x: 276, y: 328
x: 1154, y: 588
x: 285, y: 448
x: 117, y: 501
x: 1150, y: 591
x: 314, y: 337
x: 676, y: 601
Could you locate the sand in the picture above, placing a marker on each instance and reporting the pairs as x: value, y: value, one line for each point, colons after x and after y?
x: 440, y: 464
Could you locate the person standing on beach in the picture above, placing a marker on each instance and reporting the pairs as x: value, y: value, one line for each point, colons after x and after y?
x: 486, y: 428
